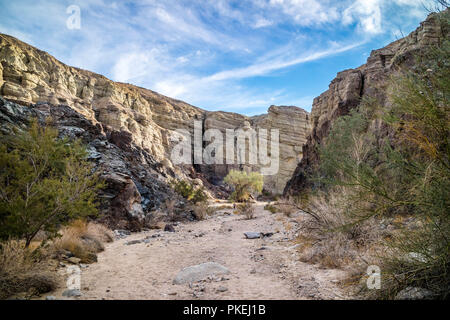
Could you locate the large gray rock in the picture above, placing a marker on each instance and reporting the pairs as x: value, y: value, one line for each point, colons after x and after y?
x: 252, y: 235
x: 72, y: 293
x: 199, y: 272
x: 414, y: 293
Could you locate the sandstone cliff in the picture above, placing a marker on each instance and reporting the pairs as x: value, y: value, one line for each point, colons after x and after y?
x: 128, y: 129
x: 351, y: 86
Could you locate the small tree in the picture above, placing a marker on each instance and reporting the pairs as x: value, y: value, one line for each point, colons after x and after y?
x: 44, y: 183
x: 244, y: 184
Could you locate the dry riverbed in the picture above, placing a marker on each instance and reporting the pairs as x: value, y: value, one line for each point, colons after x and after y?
x: 144, y: 265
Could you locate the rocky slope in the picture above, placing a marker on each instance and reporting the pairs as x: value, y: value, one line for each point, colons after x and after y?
x: 351, y: 86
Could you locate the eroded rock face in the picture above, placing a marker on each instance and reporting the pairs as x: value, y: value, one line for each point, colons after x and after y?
x: 134, y: 116
x: 294, y: 125
x: 351, y: 86
x: 135, y: 182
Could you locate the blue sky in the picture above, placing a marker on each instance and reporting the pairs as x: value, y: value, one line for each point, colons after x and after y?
x: 240, y: 56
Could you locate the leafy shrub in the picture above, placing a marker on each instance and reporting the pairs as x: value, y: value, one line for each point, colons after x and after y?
x: 187, y: 191
x: 45, y: 182
x: 244, y: 184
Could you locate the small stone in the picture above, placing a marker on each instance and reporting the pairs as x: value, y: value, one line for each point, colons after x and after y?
x: 50, y: 298
x: 169, y: 228
x: 253, y: 271
x: 222, y: 289
x: 199, y: 272
x: 132, y: 242
x: 74, y: 260
x: 268, y: 234
x: 72, y: 293
x: 172, y: 293
x: 414, y: 293
x: 67, y: 253
x: 252, y: 235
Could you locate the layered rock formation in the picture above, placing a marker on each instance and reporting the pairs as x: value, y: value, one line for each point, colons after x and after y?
x: 135, y: 182
x: 293, y: 126
x: 128, y: 129
x: 351, y: 86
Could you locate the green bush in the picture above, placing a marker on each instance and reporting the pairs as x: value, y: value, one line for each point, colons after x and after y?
x: 244, y: 184
x: 45, y: 182
x: 187, y: 191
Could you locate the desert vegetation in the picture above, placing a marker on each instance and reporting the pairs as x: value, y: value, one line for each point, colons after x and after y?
x: 189, y: 192
x: 244, y: 184
x: 45, y: 182
x: 48, y: 189
x: 381, y: 194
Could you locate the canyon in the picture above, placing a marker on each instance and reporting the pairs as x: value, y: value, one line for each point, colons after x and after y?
x: 129, y: 130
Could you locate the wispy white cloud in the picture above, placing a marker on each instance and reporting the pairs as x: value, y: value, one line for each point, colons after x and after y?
x: 279, y: 63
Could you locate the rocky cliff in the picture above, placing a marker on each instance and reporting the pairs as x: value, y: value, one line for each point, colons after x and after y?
x: 348, y: 89
x: 128, y: 129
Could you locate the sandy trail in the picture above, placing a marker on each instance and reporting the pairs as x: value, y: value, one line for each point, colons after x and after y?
x: 260, y: 269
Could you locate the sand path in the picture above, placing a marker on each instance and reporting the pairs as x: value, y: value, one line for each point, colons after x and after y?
x: 259, y: 269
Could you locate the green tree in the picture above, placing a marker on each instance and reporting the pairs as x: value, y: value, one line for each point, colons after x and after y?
x: 44, y: 183
x: 244, y: 184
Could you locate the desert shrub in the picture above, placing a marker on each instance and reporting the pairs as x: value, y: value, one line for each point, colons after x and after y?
x: 199, y: 196
x: 246, y: 209
x: 45, y: 182
x: 329, y: 236
x: 287, y: 208
x: 244, y: 184
x: 24, y: 271
x: 404, y: 171
x: 271, y: 208
x: 202, y: 210
x: 83, y: 240
x: 189, y: 192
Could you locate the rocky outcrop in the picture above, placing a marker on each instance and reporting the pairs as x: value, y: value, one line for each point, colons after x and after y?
x: 134, y: 116
x: 293, y: 126
x: 135, y: 182
x: 351, y: 86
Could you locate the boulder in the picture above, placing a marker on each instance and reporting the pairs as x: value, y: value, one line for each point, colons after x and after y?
x: 72, y: 293
x: 252, y: 235
x: 414, y: 293
x: 199, y: 272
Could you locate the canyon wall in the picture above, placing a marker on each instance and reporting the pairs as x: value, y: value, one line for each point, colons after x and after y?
x: 350, y: 87
x: 128, y: 114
